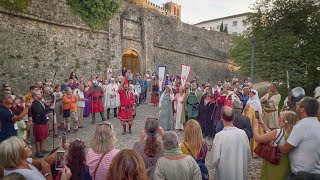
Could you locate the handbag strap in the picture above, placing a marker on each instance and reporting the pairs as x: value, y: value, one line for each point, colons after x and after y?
x: 188, y: 150
x: 281, y: 132
x: 95, y: 170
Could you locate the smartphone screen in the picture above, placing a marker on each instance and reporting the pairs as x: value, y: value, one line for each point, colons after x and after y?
x: 60, y: 163
x: 257, y: 115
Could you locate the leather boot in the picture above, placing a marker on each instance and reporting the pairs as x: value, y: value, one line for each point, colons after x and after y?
x: 124, y: 130
x: 115, y: 112
x: 108, y: 113
x: 130, y: 130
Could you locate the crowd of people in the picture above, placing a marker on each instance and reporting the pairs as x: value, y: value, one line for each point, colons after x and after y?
x: 230, y: 112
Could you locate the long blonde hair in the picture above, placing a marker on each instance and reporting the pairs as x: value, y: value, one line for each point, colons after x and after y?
x: 291, y: 119
x: 104, y: 138
x: 193, y: 136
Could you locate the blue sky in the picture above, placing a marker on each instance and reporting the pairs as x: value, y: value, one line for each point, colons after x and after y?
x: 194, y: 11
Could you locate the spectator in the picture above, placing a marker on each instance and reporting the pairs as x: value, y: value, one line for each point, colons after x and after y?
x: 28, y: 97
x: 24, y: 124
x: 240, y: 121
x: 73, y: 75
x: 150, y: 149
x: 7, y: 119
x: 39, y: 111
x: 76, y: 161
x: 127, y: 164
x: 124, y: 71
x: 230, y: 150
x: 15, y: 176
x: 193, y: 143
x: 57, y: 94
x: 102, y: 150
x: 65, y: 85
x: 287, y: 120
x: 49, y: 100
x: 174, y: 164
x: 304, y: 141
x: 69, y: 103
x: 14, y: 155
x: 78, y: 92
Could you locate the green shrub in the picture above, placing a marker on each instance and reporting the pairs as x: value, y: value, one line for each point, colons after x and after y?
x: 96, y: 13
x: 15, y: 5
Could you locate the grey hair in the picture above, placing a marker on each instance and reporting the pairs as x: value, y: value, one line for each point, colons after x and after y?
x: 170, y: 140
x: 276, y: 85
x: 4, y: 95
x: 237, y: 104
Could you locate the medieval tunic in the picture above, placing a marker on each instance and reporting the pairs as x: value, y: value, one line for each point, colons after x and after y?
x: 125, y: 112
x: 270, y: 110
x: 192, y: 103
x: 155, y: 94
x: 230, y: 154
x: 166, y: 113
x: 112, y: 100
x: 180, y: 117
x: 95, y: 95
x: 205, y: 117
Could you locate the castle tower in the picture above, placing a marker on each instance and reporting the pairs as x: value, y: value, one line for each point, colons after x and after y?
x: 174, y: 9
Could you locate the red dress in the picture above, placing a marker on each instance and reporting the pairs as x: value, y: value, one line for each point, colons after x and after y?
x: 126, y: 101
x: 96, y: 105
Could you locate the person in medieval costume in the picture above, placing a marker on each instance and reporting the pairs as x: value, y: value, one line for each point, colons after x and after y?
x: 166, y: 112
x: 179, y: 108
x: 206, y: 108
x: 125, y: 111
x: 252, y: 109
x: 113, y: 101
x: 270, y: 105
x: 95, y: 94
x: 155, y: 92
x: 193, y: 96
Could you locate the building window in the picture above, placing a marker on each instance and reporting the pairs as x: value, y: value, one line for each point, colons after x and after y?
x: 225, y: 25
x: 174, y: 10
x: 178, y: 12
x: 218, y: 27
x: 203, y: 27
x: 235, y: 23
x: 234, y: 33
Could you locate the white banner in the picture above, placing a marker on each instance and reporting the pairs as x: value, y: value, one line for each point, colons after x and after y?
x: 161, y: 72
x: 185, y: 71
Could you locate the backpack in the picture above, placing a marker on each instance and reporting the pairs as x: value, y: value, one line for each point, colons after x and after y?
x: 202, y: 165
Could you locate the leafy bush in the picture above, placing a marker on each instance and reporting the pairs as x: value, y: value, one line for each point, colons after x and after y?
x: 15, y: 5
x: 96, y: 13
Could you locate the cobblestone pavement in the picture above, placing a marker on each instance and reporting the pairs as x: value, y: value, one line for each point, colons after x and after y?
x: 144, y: 111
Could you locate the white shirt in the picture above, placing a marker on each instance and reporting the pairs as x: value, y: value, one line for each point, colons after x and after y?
x: 230, y: 154
x: 81, y: 95
x: 305, y: 137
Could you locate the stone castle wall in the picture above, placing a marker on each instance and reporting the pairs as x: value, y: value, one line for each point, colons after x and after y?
x: 48, y: 38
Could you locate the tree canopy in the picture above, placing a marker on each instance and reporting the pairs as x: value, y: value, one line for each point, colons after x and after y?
x: 287, y: 34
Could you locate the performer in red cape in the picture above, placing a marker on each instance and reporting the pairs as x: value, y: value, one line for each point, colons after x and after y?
x: 125, y: 111
x: 96, y: 93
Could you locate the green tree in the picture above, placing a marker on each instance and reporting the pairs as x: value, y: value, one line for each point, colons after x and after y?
x: 225, y: 29
x: 221, y: 27
x: 287, y: 34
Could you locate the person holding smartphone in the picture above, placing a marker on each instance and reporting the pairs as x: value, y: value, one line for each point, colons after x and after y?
x: 15, y: 158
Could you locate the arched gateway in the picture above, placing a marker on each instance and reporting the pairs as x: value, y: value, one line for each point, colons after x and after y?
x: 131, y: 61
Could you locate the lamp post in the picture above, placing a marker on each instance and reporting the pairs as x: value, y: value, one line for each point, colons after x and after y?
x: 253, y: 43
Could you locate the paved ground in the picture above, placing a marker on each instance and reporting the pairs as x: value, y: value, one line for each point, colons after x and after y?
x: 126, y: 141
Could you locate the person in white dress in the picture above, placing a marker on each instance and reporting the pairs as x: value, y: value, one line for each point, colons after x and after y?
x: 113, y: 99
x: 230, y: 150
x: 179, y: 108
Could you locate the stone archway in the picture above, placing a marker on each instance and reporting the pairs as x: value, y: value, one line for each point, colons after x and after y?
x: 130, y: 60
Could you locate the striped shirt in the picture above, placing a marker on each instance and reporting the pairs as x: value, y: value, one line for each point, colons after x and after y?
x: 93, y: 159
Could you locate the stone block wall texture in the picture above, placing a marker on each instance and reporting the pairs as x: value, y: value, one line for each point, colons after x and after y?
x: 48, y: 38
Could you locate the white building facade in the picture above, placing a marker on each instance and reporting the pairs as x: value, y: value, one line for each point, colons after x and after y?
x: 233, y: 23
